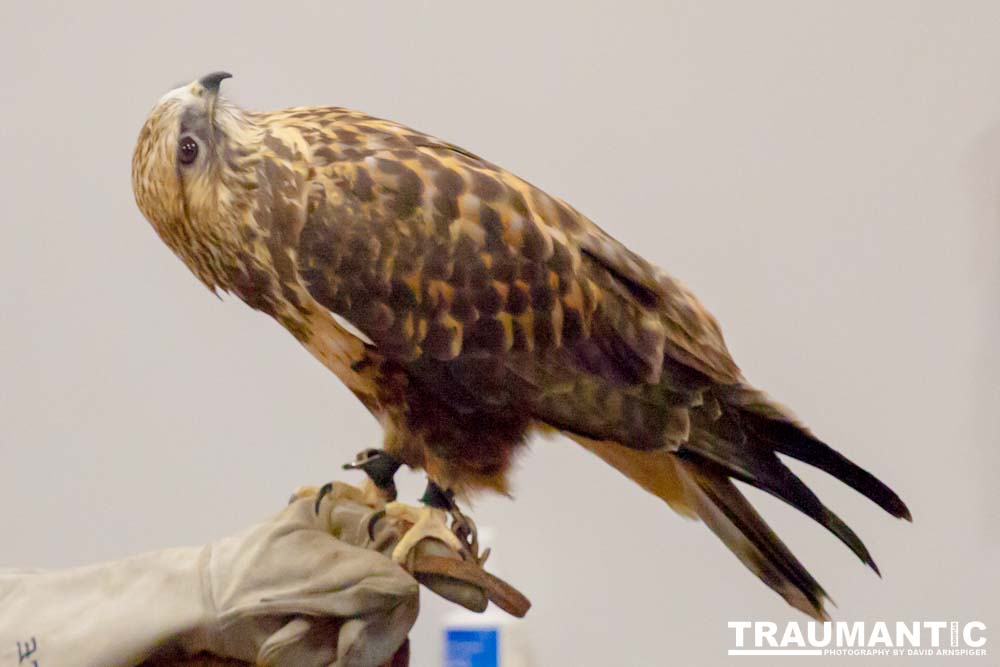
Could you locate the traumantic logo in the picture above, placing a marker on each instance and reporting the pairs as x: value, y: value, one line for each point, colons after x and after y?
x: 856, y: 638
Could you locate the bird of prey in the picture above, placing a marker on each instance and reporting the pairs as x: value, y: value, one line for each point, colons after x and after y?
x: 467, y: 309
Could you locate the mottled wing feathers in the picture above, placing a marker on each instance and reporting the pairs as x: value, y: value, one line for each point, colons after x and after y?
x: 468, y: 230
x: 691, y: 334
x: 439, y: 256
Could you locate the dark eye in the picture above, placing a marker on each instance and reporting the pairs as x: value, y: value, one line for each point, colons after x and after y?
x: 187, y: 150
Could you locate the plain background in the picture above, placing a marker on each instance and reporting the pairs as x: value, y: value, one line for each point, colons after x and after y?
x: 825, y: 175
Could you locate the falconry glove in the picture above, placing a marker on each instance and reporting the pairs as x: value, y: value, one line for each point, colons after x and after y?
x: 298, y: 589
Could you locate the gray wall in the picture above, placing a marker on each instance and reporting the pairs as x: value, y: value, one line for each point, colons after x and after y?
x: 826, y: 175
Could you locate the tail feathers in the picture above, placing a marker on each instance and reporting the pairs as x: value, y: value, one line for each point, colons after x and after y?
x: 741, y: 440
x: 730, y: 516
x: 699, y: 489
x: 770, y: 423
x: 758, y: 466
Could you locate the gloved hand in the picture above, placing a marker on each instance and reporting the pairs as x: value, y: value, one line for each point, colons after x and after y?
x: 284, y: 592
x: 306, y: 589
x: 459, y: 578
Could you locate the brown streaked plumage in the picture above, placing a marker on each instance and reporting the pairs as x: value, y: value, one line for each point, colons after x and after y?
x: 491, y: 309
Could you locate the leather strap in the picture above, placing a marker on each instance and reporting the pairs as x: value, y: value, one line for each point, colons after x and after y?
x: 496, y: 589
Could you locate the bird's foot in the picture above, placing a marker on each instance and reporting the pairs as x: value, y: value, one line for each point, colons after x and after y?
x: 428, y: 522
x: 432, y: 521
x: 462, y: 526
x: 381, y: 467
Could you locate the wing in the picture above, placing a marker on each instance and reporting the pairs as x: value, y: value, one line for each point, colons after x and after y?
x: 691, y: 335
x: 442, y: 258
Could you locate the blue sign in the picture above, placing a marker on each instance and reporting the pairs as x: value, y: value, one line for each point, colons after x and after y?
x: 476, y: 647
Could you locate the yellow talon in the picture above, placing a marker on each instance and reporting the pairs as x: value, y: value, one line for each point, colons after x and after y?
x: 427, y: 522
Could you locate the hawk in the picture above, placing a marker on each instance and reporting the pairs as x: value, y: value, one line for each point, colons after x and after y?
x: 467, y: 309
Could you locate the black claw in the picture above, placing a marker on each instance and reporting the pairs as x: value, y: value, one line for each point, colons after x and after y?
x: 325, y: 489
x: 372, y: 520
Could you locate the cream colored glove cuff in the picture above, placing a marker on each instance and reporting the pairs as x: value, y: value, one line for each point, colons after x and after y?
x: 108, y: 614
x: 284, y: 592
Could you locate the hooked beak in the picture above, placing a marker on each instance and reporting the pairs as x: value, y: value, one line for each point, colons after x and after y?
x: 211, y: 83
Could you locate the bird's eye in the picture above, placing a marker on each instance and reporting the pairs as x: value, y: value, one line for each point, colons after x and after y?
x: 187, y: 150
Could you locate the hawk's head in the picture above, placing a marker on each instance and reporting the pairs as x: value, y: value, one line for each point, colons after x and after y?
x: 192, y: 173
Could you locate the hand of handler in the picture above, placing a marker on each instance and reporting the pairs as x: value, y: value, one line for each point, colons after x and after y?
x: 305, y: 587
